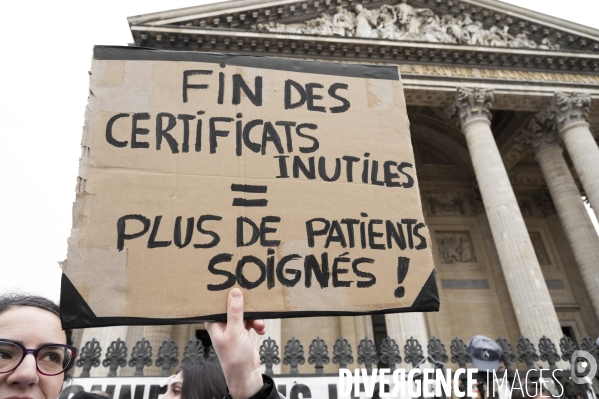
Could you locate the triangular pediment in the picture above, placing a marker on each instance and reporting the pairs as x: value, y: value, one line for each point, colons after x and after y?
x: 469, y: 23
x: 525, y: 56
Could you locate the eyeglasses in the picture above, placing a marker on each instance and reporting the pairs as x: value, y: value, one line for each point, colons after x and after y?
x: 51, y: 359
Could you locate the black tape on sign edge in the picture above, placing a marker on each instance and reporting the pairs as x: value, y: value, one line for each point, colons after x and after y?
x: 253, y: 61
x: 76, y: 313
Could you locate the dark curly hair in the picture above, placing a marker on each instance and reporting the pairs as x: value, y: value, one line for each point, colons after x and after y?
x: 15, y: 300
x: 203, y: 380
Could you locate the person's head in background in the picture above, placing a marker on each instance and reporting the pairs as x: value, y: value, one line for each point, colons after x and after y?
x: 198, y: 380
x: 530, y: 390
x: 30, y: 325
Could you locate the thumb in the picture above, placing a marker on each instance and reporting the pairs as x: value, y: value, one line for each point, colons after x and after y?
x: 235, y: 310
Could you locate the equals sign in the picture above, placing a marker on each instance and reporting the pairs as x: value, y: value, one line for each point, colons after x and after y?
x: 249, y: 188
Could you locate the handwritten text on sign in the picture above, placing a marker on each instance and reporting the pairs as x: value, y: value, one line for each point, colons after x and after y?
x: 297, y: 186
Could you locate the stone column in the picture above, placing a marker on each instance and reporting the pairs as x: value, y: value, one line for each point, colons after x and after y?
x: 354, y: 329
x: 580, y: 233
x: 363, y: 328
x: 528, y: 290
x: 347, y: 330
x: 402, y: 326
x: 571, y: 112
x: 181, y: 335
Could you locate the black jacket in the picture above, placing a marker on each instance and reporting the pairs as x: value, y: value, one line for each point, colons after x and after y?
x: 268, y: 390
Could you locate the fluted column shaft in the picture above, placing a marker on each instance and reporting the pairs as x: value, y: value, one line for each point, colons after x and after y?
x: 528, y: 291
x: 402, y: 326
x: 182, y: 333
x: 364, y: 327
x: 570, y: 112
x: 584, y: 153
x: 581, y: 234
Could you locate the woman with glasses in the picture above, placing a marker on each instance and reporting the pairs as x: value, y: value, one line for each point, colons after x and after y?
x: 35, y: 352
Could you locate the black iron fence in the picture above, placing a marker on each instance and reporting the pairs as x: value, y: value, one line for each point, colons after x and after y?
x: 387, y: 355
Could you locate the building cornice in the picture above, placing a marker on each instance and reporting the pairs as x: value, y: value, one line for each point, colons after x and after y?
x: 362, y: 50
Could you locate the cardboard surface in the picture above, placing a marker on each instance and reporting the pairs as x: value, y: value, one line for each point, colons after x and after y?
x: 293, y: 180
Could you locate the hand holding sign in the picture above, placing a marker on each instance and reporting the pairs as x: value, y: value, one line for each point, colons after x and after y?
x: 235, y: 348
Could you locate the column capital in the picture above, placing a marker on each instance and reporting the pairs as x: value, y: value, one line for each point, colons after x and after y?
x: 541, y: 132
x: 570, y: 108
x: 472, y: 103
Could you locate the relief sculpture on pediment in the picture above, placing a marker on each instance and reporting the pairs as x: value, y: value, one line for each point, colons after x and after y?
x: 404, y: 22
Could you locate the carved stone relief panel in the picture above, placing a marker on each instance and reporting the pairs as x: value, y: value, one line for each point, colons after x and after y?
x: 453, y: 205
x: 533, y: 203
x: 537, y: 243
x: 455, y: 247
x: 461, y: 202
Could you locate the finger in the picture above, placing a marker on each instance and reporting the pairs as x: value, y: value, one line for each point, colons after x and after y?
x: 235, y: 310
x: 258, y: 325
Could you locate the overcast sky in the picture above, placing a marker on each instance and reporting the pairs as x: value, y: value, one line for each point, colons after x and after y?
x: 47, y: 48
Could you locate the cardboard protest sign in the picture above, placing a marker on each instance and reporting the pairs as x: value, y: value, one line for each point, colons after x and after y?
x: 293, y: 180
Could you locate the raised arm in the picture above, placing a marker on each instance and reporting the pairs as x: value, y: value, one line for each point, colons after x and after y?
x: 235, y: 349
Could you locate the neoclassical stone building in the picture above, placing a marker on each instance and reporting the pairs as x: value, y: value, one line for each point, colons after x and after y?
x: 504, y: 110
